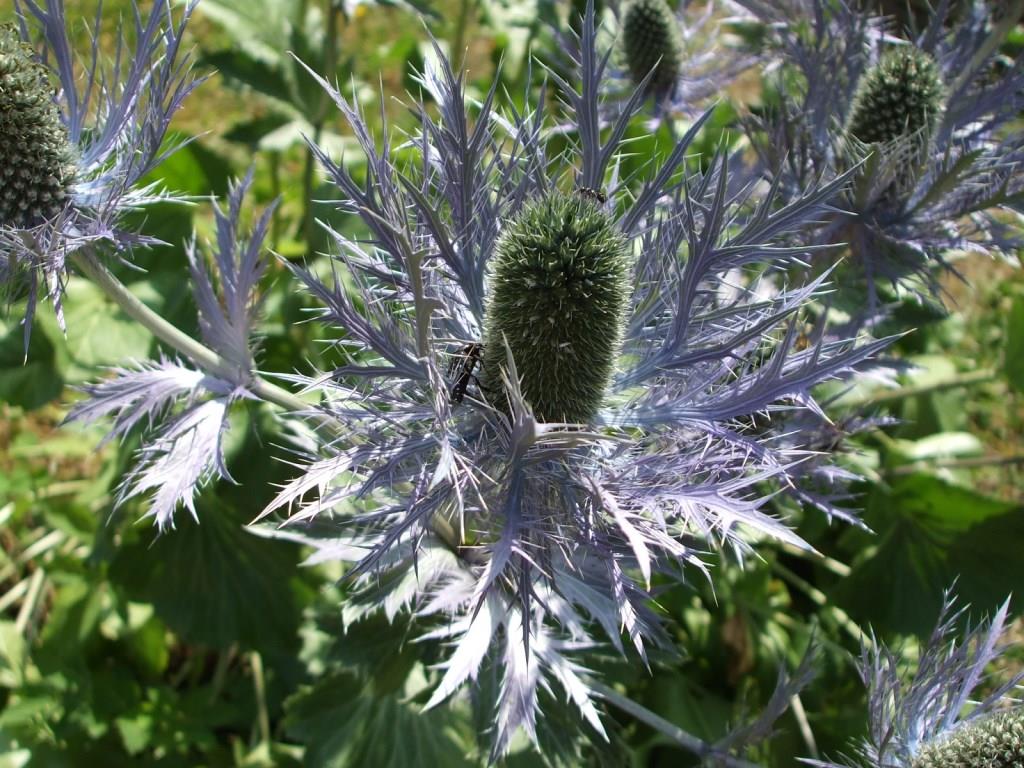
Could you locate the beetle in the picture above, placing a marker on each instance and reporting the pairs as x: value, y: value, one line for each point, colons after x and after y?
x: 461, y: 368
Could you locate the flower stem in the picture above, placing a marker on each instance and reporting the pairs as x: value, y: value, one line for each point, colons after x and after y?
x: 967, y: 379
x: 687, y: 741
x: 198, y: 353
x: 260, y: 686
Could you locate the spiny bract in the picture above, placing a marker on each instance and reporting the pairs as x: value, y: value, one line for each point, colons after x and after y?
x: 650, y: 38
x: 35, y: 156
x: 901, y: 96
x: 997, y: 741
x: 558, y: 292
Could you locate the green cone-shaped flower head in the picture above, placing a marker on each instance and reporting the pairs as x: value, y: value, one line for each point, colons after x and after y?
x: 559, y: 288
x: 650, y: 37
x: 997, y: 741
x: 35, y: 156
x: 900, y: 96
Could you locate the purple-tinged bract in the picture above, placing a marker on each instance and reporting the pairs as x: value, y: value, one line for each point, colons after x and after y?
x: 185, y: 408
x: 527, y: 534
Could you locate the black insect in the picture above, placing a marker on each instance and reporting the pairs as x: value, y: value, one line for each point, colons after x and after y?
x: 593, y: 194
x: 461, y: 368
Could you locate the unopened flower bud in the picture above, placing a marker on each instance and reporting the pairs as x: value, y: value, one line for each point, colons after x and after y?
x: 559, y: 291
x: 650, y: 37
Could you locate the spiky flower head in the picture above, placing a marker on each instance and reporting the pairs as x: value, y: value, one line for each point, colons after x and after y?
x: 519, y: 537
x: 937, y: 718
x: 915, y: 201
x: 996, y: 741
x: 900, y: 96
x: 35, y: 156
x: 558, y: 294
x: 650, y: 39
x: 77, y: 138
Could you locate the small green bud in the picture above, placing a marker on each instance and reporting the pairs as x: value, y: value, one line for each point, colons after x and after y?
x: 559, y: 289
x: 997, y: 741
x: 35, y: 155
x: 900, y: 96
x: 650, y: 38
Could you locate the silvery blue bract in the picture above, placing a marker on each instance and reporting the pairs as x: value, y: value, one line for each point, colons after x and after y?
x: 454, y: 498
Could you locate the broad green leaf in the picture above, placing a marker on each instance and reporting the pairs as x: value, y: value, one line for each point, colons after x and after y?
x: 99, y: 333
x: 195, y: 169
x: 27, y: 382
x: 13, y: 655
x: 213, y: 582
x: 922, y: 524
x: 266, y: 80
x: 343, y: 726
x: 72, y: 626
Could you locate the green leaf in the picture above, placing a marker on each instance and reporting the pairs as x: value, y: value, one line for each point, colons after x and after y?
x: 213, y: 582
x: 195, y: 169
x: 924, y: 528
x: 32, y: 382
x: 74, y: 621
x: 1014, y: 365
x: 343, y: 726
x: 265, y: 80
x: 99, y: 333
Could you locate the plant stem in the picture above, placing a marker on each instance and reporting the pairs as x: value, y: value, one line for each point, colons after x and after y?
x: 198, y: 353
x: 797, y: 707
x: 687, y: 741
x: 973, y: 462
x: 968, y: 379
x: 260, y: 685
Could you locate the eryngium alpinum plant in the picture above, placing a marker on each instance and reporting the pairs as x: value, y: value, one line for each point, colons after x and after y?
x: 75, y: 143
x: 681, y: 59
x: 934, y: 120
x: 456, y: 496
x: 936, y: 719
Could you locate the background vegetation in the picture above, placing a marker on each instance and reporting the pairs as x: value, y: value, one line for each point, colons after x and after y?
x: 214, y: 646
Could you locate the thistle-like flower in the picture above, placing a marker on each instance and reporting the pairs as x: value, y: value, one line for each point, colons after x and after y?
x: 35, y: 155
x: 932, y: 119
x: 900, y: 96
x: 925, y: 722
x: 75, y: 145
x: 458, y: 488
x: 996, y: 741
x: 678, y: 58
